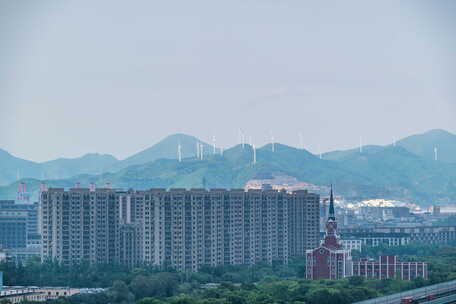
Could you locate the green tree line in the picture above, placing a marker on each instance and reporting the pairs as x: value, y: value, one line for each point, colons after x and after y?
x: 260, y: 284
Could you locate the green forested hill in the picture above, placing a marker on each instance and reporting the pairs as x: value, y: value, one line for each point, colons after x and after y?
x: 389, y: 172
x: 12, y: 167
x: 423, y: 145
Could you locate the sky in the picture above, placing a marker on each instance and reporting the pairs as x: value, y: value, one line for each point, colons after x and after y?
x: 116, y: 77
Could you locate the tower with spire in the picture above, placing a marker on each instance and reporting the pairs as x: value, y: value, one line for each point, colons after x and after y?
x: 330, y: 260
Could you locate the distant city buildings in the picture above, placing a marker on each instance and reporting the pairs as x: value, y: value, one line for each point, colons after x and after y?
x: 18, y: 224
x: 330, y: 260
x: 185, y: 229
x: 383, y: 213
x: 180, y: 228
x: 19, y: 227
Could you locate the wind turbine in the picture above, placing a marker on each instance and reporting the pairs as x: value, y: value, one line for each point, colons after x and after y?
x: 241, y: 137
x: 272, y: 142
x: 201, y: 151
x: 213, y: 144
x: 179, y: 152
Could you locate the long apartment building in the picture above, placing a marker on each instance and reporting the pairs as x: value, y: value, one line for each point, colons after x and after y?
x: 403, y: 235
x: 180, y: 228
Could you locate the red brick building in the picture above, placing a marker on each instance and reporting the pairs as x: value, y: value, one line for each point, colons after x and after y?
x: 330, y: 260
x: 390, y: 267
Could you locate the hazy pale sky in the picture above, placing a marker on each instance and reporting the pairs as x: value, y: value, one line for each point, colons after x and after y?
x: 117, y: 76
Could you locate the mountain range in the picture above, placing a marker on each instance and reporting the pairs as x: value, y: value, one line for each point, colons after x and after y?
x: 404, y: 171
x: 13, y: 168
x: 421, y: 144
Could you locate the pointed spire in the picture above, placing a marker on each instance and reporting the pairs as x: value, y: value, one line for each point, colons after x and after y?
x: 331, y: 215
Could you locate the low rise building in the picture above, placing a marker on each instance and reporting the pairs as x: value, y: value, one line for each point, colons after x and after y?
x: 390, y: 267
x: 392, y: 236
x: 22, y: 255
x: 374, y: 239
x: 21, y: 294
x: 352, y: 244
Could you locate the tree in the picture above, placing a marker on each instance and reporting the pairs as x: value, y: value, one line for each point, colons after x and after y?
x: 326, y: 296
x: 262, y: 298
x: 140, y: 287
x: 149, y: 301
x: 120, y: 293
x: 183, y: 299
x: 356, y: 281
x: 166, y: 284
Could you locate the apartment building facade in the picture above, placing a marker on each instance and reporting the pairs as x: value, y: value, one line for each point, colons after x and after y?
x: 180, y: 228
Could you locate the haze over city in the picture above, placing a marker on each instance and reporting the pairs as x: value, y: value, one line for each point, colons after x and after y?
x: 81, y: 77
